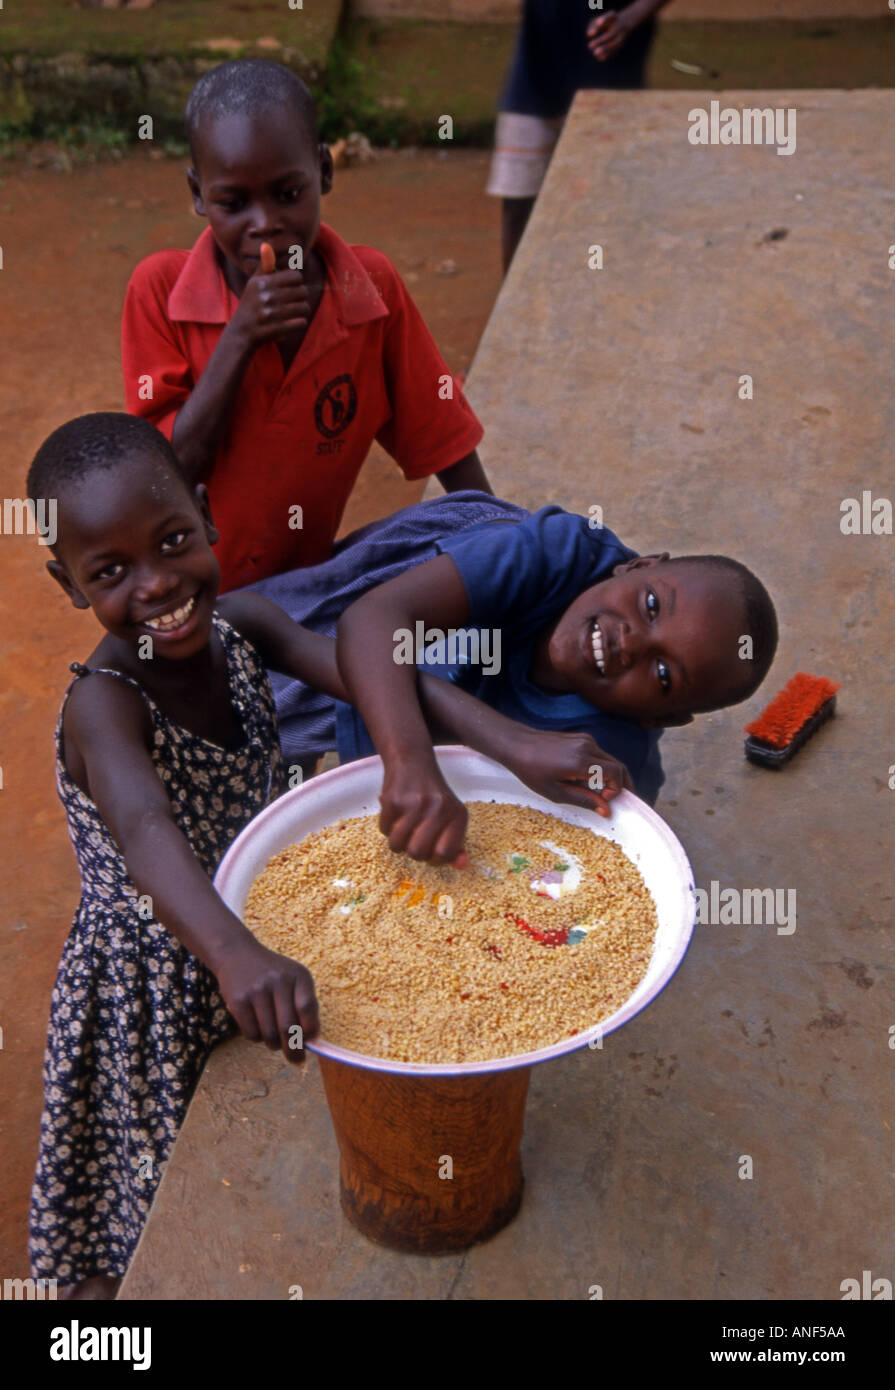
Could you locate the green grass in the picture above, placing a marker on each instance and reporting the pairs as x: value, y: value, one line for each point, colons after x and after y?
x: 775, y: 54
x: 402, y: 77
x: 173, y: 27
x: 391, y: 81
x: 81, y: 143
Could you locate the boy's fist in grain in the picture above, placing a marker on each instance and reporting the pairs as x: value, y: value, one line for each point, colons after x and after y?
x: 421, y: 816
x: 270, y: 996
x: 274, y: 303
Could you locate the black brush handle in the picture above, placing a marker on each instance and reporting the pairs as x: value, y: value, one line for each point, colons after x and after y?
x: 763, y: 753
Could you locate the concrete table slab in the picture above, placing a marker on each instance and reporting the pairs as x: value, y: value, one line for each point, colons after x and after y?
x: 619, y: 388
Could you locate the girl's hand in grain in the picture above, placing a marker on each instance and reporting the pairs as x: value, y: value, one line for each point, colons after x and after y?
x: 274, y: 303
x: 568, y: 767
x: 421, y: 816
x: 271, y: 997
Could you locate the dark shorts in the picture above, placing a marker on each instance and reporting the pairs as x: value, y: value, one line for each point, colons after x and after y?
x: 552, y: 61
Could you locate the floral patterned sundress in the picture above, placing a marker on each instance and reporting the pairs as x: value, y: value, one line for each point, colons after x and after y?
x: 134, y: 1015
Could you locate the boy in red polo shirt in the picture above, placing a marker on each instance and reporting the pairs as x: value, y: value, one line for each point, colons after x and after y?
x: 273, y: 383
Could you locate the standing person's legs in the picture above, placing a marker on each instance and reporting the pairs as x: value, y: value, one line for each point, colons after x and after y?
x: 515, y: 213
x: 523, y: 146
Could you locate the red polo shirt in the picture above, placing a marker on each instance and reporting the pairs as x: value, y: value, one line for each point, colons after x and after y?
x: 367, y: 369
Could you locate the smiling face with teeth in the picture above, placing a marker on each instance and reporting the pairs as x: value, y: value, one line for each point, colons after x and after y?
x: 655, y: 642
x: 135, y: 546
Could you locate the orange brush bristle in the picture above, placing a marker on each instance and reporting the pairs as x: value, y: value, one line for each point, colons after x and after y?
x: 799, y: 699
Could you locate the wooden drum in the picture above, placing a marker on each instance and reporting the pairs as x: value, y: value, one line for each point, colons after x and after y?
x: 431, y: 1163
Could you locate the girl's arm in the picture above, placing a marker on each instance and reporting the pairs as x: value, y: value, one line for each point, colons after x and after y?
x: 266, y: 993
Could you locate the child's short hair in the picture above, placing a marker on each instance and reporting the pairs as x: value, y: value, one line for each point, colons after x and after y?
x: 247, y: 86
x: 760, y: 619
x: 105, y: 439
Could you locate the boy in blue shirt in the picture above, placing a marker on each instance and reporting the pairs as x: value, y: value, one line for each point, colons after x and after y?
x: 596, y: 640
x: 583, y: 651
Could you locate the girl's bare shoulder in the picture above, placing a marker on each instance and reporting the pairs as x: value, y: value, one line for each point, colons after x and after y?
x: 105, y: 698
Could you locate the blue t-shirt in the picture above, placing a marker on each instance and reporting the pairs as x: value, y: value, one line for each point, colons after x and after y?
x: 552, y: 60
x: 519, y: 577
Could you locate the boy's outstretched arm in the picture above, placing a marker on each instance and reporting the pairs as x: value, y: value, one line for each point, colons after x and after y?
x: 420, y: 814
x: 425, y: 818
x: 391, y: 698
x: 430, y: 820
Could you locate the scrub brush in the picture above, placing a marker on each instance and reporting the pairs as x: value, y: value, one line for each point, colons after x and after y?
x: 804, y: 703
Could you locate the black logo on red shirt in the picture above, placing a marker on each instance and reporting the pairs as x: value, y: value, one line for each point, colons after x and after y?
x: 336, y: 406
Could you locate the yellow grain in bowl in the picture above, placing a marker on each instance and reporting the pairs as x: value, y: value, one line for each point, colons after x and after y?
x: 548, y: 931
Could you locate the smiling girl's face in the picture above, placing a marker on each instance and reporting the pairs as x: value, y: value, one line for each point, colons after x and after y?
x: 655, y: 642
x: 135, y: 546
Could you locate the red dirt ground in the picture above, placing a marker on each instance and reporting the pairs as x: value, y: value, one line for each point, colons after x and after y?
x: 69, y: 243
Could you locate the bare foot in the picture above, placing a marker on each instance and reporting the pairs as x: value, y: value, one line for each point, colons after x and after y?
x: 99, y: 1286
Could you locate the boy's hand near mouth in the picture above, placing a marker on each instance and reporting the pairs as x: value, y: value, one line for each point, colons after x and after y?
x: 273, y: 303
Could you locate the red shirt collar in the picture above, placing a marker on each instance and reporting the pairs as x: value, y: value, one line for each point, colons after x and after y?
x: 200, y: 293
